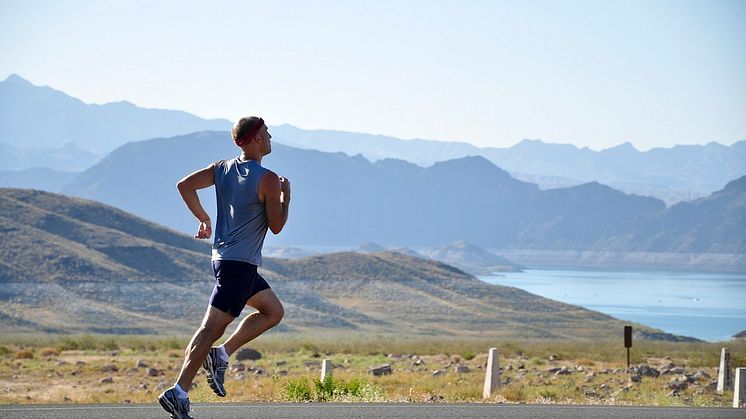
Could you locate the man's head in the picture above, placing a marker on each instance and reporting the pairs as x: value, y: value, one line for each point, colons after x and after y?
x: 250, y: 131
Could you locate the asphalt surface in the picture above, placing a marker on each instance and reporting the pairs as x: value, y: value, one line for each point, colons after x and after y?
x: 363, y: 410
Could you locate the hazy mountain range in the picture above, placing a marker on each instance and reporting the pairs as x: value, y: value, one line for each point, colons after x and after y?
x: 75, y: 135
x: 672, y: 174
x: 93, y: 268
x: 41, y: 118
x: 342, y: 200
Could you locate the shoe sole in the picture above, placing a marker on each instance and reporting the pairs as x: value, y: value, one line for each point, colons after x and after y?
x: 207, y: 365
x: 167, y: 406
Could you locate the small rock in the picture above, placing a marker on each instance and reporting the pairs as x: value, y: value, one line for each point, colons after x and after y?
x: 677, y: 385
x: 380, y: 370
x: 563, y: 371
x: 61, y: 362
x: 636, y: 378
x: 645, y: 371
x: 248, y: 354
x: 553, y: 357
x: 109, y: 368
x: 160, y: 386
x: 701, y: 375
x: 152, y: 372
x: 280, y: 362
x: 260, y: 371
x: 106, y: 380
x: 579, y: 368
x: 143, y: 386
x: 238, y: 367
x: 141, y: 364
x: 437, y: 373
x: 79, y: 363
x: 435, y: 398
x: 461, y: 368
x: 281, y: 373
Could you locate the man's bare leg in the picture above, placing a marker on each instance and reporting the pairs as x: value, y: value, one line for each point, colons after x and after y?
x: 269, y: 313
x: 212, y: 328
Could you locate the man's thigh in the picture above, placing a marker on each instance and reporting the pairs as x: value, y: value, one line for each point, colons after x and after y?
x: 265, y: 301
x: 216, y: 319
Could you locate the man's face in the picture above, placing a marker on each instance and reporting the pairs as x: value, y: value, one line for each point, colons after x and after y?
x: 265, y: 144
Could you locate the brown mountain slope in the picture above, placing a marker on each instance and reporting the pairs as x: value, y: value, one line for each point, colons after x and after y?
x: 70, y: 265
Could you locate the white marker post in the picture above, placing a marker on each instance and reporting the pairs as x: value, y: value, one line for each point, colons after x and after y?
x: 724, y: 380
x: 492, y: 376
x: 739, y: 392
x: 326, y: 368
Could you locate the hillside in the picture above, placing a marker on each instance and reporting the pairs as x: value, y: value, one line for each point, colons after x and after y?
x: 71, y: 265
x: 471, y: 259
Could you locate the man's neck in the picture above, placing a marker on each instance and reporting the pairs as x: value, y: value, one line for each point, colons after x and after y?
x: 247, y: 155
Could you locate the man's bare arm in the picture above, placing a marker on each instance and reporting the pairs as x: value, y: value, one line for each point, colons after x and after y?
x: 275, y: 193
x: 188, y: 189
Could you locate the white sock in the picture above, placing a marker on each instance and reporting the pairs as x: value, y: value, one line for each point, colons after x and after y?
x: 180, y: 392
x: 223, y: 353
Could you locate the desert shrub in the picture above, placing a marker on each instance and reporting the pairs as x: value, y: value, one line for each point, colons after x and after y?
x: 4, y: 350
x: 298, y: 390
x: 48, y: 352
x: 537, y: 361
x: 468, y: 355
x: 24, y: 354
x: 110, y: 344
x: 324, y: 389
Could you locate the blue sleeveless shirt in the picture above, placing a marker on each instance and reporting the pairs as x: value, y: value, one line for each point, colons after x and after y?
x: 242, y: 220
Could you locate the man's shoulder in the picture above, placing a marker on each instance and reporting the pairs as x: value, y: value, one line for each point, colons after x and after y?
x: 270, y: 175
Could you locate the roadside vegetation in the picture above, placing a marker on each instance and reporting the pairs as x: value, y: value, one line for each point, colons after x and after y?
x: 134, y: 369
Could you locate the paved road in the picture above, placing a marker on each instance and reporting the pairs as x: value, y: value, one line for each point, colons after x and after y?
x: 360, y: 410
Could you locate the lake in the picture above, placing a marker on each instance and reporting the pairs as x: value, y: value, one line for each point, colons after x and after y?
x: 709, y: 306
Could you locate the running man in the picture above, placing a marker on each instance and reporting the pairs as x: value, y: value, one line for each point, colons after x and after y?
x: 250, y: 199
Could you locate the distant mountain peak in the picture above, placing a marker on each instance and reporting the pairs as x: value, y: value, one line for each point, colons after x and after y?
x: 737, y: 185
x: 625, y: 146
x: 17, y: 80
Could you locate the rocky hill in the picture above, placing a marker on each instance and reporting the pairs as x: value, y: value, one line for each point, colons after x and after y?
x: 71, y: 265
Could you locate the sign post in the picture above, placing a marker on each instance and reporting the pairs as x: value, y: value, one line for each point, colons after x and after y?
x: 627, y: 341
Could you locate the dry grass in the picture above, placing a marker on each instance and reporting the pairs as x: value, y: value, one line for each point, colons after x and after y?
x: 47, y: 372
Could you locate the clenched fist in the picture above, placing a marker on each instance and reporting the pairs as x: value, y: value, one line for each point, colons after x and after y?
x: 205, y: 230
x: 285, y: 188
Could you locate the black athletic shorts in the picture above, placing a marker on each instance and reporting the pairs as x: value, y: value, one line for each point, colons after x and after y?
x: 235, y: 283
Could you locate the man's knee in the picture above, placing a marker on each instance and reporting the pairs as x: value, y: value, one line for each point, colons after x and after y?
x: 275, y: 314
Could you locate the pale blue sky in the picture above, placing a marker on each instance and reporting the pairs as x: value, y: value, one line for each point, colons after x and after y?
x: 592, y: 73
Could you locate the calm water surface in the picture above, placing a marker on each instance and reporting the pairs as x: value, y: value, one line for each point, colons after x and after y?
x: 703, y: 305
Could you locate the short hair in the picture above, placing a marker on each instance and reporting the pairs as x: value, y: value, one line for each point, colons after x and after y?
x: 246, y: 126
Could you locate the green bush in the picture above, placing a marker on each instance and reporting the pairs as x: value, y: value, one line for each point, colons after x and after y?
x: 4, y: 350
x: 468, y: 355
x: 298, y: 390
x: 325, y: 389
